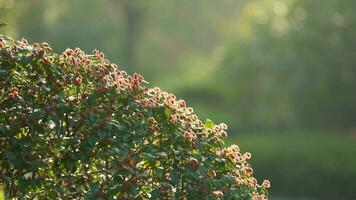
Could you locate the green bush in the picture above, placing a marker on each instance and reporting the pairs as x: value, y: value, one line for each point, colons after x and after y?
x: 75, y: 126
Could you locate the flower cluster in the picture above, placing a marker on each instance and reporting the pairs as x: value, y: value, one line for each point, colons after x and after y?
x: 75, y: 126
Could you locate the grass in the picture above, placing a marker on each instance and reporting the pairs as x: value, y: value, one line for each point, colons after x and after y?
x: 308, y: 165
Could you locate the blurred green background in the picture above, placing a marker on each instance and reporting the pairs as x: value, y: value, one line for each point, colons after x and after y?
x: 281, y: 74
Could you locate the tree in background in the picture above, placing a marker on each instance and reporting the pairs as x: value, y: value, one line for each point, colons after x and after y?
x: 134, y: 12
x: 280, y: 64
x: 295, y: 67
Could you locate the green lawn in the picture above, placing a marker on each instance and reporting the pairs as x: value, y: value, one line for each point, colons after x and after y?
x: 310, y: 165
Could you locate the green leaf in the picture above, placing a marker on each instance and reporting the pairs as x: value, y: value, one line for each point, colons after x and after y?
x: 209, y: 123
x: 102, y: 133
x: 162, y: 155
x: 2, y: 117
x: 10, y: 156
x: 210, y: 197
x: 168, y: 112
x: 155, y: 194
x: 3, y: 24
x: 149, y: 157
x: 3, y: 72
x: 175, y: 178
x: 2, y: 195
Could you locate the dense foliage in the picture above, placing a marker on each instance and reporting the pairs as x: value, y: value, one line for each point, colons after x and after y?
x: 76, y: 126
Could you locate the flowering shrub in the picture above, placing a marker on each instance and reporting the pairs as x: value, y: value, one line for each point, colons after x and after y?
x: 75, y: 126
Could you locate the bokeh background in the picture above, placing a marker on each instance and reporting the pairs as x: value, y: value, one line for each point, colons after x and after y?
x: 281, y: 74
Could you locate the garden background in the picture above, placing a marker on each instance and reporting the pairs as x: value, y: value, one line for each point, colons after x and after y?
x: 281, y: 74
